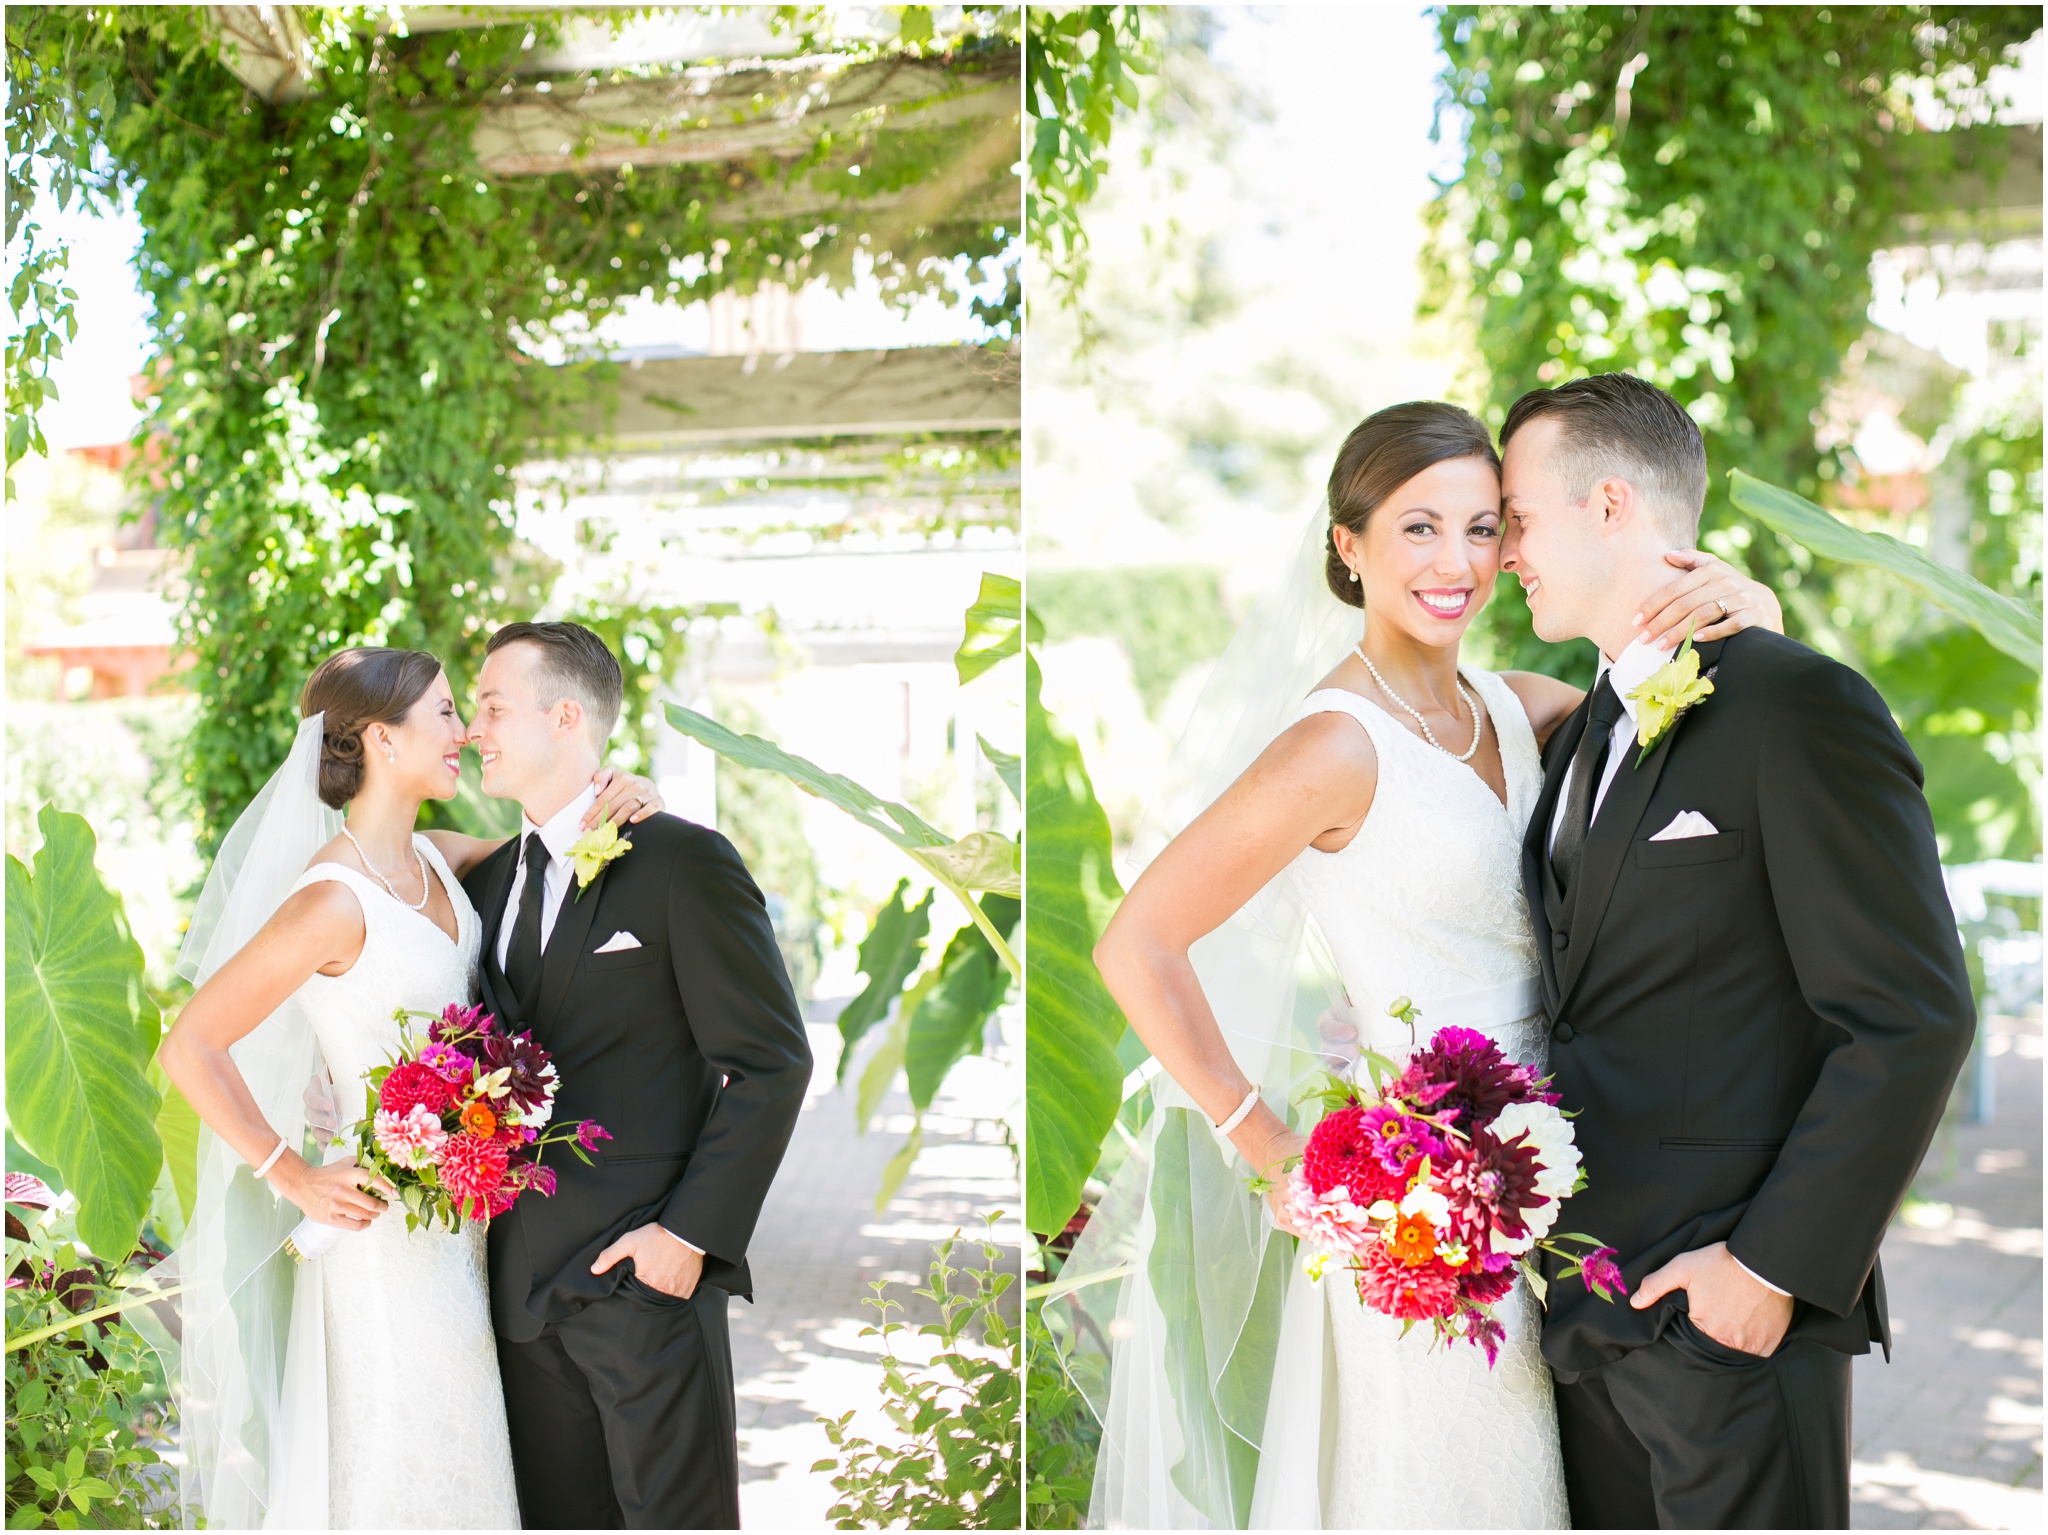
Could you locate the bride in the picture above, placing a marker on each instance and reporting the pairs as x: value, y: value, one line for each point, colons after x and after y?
x: 1393, y: 799
x: 361, y: 1390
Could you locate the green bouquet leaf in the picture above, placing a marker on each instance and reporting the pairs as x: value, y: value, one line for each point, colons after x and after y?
x: 2007, y: 623
x: 81, y: 1030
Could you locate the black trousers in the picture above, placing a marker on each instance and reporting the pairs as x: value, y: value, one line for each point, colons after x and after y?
x: 1689, y: 1434
x: 623, y: 1416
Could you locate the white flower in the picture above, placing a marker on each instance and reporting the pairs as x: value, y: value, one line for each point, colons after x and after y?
x: 1429, y: 1204
x: 1556, y: 1148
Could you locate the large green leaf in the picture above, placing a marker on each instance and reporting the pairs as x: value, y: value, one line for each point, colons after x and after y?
x: 892, y: 949
x: 1071, y: 1022
x: 2011, y: 625
x: 982, y: 860
x: 1008, y: 767
x: 992, y: 631
x: 80, y: 1033
x: 177, y: 1125
x: 951, y: 1017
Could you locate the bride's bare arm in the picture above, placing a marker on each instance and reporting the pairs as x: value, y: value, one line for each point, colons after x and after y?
x: 1694, y: 599
x: 1312, y: 786
x: 623, y: 798
x: 319, y: 928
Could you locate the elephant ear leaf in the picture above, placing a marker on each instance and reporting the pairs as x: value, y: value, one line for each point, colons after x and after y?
x: 81, y: 1030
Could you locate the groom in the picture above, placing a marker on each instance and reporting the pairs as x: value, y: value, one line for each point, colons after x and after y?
x: 1756, y: 994
x: 662, y: 996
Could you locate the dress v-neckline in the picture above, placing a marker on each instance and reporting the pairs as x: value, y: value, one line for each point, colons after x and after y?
x: 377, y: 888
x: 1465, y: 769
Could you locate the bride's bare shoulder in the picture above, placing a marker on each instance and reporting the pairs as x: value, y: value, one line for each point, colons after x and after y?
x: 1546, y: 700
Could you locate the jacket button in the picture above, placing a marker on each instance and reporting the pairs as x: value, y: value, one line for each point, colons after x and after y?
x: 1562, y: 1033
x: 1560, y: 940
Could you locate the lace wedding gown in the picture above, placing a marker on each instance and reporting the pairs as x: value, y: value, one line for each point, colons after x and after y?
x: 1426, y: 902
x: 415, y: 1418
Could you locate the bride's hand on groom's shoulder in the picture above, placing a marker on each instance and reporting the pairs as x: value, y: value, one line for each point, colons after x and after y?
x: 1711, y: 597
x: 1725, y: 1301
x: 622, y: 798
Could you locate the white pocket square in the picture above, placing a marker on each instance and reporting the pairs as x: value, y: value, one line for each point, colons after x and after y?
x: 1687, y: 823
x: 618, y: 943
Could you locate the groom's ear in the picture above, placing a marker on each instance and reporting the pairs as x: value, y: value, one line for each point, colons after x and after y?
x: 569, y: 715
x: 1618, y: 502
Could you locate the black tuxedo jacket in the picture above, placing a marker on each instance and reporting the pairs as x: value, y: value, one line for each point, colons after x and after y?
x: 1759, y: 1028
x: 690, y: 1050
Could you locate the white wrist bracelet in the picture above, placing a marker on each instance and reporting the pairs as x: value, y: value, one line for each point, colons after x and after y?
x: 271, y: 1161
x: 1240, y: 1114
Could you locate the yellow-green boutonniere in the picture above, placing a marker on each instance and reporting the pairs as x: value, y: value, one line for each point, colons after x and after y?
x: 1665, y: 694
x: 593, y: 850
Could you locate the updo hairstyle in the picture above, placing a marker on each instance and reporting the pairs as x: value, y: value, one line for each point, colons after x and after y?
x: 355, y: 689
x: 1384, y: 452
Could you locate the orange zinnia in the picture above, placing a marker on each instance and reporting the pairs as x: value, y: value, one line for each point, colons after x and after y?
x: 1413, y: 1240
x: 478, y: 1119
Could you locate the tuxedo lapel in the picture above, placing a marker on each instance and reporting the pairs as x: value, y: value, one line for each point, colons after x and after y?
x: 565, y: 947
x: 1536, y: 840
x: 1613, y: 832
x: 493, y: 914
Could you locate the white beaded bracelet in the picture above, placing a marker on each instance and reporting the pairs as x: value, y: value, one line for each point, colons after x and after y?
x: 1240, y: 1114
x: 271, y: 1161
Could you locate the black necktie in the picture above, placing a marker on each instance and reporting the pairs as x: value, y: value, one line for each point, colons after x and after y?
x: 1589, y: 762
x: 522, y: 959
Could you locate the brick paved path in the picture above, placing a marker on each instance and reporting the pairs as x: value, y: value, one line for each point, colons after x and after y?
x: 1948, y: 1435
x: 797, y: 1353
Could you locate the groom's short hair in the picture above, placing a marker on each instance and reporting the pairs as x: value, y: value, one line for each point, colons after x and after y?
x: 573, y: 663
x: 1614, y: 425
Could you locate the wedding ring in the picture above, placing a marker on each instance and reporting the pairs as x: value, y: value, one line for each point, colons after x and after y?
x: 1722, y: 604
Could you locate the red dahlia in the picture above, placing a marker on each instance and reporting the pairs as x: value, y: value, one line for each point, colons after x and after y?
x: 1407, y: 1294
x: 411, y: 1083
x: 1489, y: 1183
x: 1341, y: 1149
x: 1484, y: 1289
x: 472, y: 1168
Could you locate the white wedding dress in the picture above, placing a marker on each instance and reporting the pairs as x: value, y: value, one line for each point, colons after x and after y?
x: 415, y: 1420
x: 1425, y: 902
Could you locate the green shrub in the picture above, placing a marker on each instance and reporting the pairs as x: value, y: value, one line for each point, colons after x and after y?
x: 957, y: 1465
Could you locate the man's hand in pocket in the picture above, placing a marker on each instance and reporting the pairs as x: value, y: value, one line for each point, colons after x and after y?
x: 660, y: 1258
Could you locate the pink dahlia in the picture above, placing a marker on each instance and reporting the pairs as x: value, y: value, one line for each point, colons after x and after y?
x: 413, y: 1139
x: 1388, y: 1285
x: 410, y: 1083
x: 472, y: 1168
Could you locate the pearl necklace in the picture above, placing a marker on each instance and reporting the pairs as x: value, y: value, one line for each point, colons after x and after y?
x: 1428, y: 734
x: 425, y: 889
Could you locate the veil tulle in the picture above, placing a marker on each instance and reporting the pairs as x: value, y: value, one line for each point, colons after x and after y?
x: 1172, y: 1306
x: 245, y: 1351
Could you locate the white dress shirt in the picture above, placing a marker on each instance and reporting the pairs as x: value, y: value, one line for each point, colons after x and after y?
x: 1629, y: 671
x: 561, y: 833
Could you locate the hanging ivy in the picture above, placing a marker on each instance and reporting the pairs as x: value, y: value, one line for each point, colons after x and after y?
x: 1694, y: 194
x: 352, y: 317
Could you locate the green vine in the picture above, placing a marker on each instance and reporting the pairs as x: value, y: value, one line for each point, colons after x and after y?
x: 351, y: 315
x: 1694, y: 194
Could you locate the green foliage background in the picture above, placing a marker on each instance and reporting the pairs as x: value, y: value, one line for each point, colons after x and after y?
x: 1694, y: 194
x: 349, y: 314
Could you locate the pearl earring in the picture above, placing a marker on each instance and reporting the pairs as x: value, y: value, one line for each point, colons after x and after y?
x: 392, y: 756
x: 1354, y: 576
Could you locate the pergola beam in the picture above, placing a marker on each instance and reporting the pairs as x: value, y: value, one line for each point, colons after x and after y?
x: 693, y: 402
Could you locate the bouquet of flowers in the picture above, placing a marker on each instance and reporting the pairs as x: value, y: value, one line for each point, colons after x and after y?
x: 1436, y: 1186
x: 456, y: 1123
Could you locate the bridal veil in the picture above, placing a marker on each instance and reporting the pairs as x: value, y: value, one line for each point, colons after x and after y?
x: 1172, y: 1308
